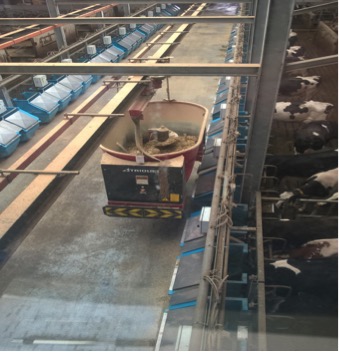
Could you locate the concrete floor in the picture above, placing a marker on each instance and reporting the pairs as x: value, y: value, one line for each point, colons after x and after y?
x: 84, y: 281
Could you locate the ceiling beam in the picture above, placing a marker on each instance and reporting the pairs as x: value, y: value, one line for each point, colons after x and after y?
x: 115, y: 20
x: 146, y: 1
x: 182, y: 69
x: 312, y: 63
x: 320, y: 7
x: 86, y: 2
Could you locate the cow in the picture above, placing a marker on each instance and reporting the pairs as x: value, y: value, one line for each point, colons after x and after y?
x: 292, y: 39
x: 295, y: 51
x: 302, y: 165
x: 302, y: 111
x: 299, y: 85
x: 314, y: 135
x: 315, y: 276
x: 304, y: 303
x: 318, y: 185
x: 301, y: 230
x: 316, y: 249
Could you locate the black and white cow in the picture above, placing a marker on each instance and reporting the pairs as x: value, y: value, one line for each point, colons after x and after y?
x: 316, y: 249
x: 302, y: 165
x: 295, y: 51
x: 314, y: 135
x: 302, y: 111
x: 304, y: 275
x: 316, y: 186
x: 292, y: 39
x: 299, y: 85
x: 305, y: 304
x: 301, y: 230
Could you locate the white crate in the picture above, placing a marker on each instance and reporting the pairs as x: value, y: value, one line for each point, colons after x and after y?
x: 132, y: 26
x: 40, y: 81
x: 122, y: 31
x: 91, y: 49
x: 67, y: 61
x: 107, y: 39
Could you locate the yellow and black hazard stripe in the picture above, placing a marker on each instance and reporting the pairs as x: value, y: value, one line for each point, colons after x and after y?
x: 150, y: 213
x: 160, y: 213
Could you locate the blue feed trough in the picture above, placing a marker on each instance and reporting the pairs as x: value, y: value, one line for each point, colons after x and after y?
x: 98, y: 59
x: 147, y: 29
x: 110, y: 55
x: 74, y: 84
x: 123, y: 45
x: 9, y: 141
x: 137, y: 34
x: 27, y: 123
x: 114, y: 54
x: 86, y: 81
x: 60, y: 92
x: 43, y: 106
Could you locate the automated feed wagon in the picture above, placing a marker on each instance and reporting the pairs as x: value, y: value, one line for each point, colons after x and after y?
x: 150, y: 156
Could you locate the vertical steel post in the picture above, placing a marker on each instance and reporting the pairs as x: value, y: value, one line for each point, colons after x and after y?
x: 277, y: 33
x: 127, y: 10
x: 53, y: 11
x: 258, y: 33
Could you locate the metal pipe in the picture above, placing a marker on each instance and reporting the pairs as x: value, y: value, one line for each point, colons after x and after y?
x: 320, y: 7
x: 182, y: 69
x: 262, y: 342
x: 67, y: 115
x: 126, y: 81
x: 38, y: 172
x: 227, y: 195
x: 199, y: 321
x: 128, y: 20
x: 311, y: 63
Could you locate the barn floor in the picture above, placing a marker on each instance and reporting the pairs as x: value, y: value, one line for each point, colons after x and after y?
x: 81, y: 280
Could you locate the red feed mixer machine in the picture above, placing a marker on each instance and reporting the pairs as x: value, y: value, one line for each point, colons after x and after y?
x: 149, y: 157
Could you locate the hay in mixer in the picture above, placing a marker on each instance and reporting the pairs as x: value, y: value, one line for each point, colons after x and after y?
x: 171, y: 145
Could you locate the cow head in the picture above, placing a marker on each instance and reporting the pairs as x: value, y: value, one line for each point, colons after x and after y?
x: 312, y: 141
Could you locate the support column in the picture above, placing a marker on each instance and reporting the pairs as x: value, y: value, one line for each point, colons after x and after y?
x: 127, y: 10
x: 275, y: 44
x: 261, y: 11
x: 53, y: 11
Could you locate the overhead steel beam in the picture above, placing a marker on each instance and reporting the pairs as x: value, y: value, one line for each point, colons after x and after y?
x: 144, y: 69
x: 327, y: 5
x: 115, y: 20
x: 145, y: 2
x: 311, y: 63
